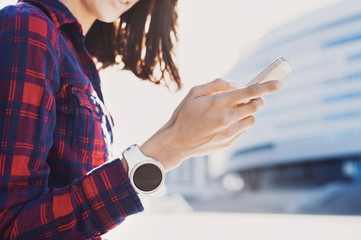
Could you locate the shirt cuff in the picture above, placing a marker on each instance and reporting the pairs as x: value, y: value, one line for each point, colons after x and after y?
x: 110, y: 194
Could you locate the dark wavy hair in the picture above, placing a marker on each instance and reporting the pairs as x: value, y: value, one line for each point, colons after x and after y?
x: 143, y: 38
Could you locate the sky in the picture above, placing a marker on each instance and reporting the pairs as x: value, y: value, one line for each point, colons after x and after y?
x: 213, y: 35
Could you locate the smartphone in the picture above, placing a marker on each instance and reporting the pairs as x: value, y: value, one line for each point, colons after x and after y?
x: 277, y: 70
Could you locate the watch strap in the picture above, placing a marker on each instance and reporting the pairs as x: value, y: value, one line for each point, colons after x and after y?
x: 133, y: 156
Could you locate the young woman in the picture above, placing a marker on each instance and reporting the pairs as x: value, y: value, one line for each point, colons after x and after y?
x: 58, y: 179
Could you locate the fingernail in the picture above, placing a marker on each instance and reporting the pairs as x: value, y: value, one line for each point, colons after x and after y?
x: 233, y: 83
x: 279, y: 85
x: 263, y: 101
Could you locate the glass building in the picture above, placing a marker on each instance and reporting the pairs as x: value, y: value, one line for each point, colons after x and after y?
x: 317, y: 116
x: 304, y: 153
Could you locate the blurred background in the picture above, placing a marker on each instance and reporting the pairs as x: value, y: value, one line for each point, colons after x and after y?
x: 297, y: 173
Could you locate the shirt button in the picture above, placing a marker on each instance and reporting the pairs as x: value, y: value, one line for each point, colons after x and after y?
x: 97, y: 110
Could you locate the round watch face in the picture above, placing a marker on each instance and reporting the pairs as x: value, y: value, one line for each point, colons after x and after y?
x: 147, y: 177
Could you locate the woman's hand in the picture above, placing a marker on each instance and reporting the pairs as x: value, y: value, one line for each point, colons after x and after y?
x: 210, y: 117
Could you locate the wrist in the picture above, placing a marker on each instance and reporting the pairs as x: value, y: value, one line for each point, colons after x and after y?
x: 163, y: 148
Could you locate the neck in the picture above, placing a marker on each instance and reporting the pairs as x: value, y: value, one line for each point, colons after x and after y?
x: 80, y: 13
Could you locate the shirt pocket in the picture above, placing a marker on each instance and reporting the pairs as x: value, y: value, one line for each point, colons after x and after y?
x: 90, y: 132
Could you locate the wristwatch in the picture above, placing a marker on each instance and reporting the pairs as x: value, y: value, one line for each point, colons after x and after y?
x: 146, y: 174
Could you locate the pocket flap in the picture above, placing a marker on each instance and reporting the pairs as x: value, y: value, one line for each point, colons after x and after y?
x: 88, y: 100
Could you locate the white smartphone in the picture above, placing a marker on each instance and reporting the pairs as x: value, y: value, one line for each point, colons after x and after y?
x: 277, y: 70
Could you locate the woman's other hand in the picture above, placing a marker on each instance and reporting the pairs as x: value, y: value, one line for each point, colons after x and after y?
x: 210, y: 117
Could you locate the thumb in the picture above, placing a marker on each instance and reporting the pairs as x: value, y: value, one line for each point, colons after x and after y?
x: 216, y: 86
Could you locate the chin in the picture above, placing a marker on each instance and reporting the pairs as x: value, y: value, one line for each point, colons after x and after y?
x: 109, y: 19
x: 110, y: 14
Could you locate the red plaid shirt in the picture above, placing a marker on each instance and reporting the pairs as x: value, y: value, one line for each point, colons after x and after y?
x: 54, y: 130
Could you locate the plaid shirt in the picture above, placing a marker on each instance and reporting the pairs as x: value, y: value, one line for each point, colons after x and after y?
x: 55, y: 178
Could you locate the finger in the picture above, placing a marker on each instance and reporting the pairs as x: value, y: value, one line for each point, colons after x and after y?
x: 254, y: 91
x: 231, y: 141
x: 240, y: 126
x: 247, y: 109
x: 216, y: 86
x: 237, y: 136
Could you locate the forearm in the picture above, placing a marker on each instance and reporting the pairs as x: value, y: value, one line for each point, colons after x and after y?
x: 162, y: 147
x: 125, y: 165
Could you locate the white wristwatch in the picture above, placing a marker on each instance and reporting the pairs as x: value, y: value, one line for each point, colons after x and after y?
x: 146, y: 174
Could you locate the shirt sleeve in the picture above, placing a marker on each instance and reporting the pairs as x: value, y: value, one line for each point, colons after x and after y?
x: 29, y: 78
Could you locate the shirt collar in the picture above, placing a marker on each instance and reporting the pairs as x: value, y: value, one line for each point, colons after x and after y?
x: 56, y: 10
